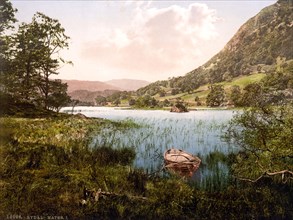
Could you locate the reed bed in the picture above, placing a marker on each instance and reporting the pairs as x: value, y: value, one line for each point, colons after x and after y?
x: 198, y: 132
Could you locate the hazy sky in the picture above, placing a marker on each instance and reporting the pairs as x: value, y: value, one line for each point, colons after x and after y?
x: 139, y: 39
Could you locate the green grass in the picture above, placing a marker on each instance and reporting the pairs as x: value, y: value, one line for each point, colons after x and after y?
x: 46, y: 163
x: 244, y: 80
x: 203, y: 91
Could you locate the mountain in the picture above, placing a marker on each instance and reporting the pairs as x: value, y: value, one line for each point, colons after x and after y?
x: 116, y: 84
x: 260, y: 44
x: 128, y: 84
x: 87, y: 91
x: 92, y: 86
x: 257, y: 44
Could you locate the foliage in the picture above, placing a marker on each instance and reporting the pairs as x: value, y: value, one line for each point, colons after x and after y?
x: 245, y: 202
x: 152, y: 89
x: 7, y: 15
x: 146, y: 101
x: 47, y: 163
x: 280, y: 79
x: 36, y: 48
x: 118, y: 95
x: 216, y: 96
x: 131, y: 102
x: 235, y: 95
x: 180, y: 107
x: 30, y: 56
x: 109, y: 156
x: 253, y: 94
x: 169, y: 198
x: 101, y: 100
x: 265, y: 136
x: 7, y: 19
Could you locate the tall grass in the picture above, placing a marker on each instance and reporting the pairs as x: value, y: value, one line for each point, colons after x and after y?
x: 197, y: 132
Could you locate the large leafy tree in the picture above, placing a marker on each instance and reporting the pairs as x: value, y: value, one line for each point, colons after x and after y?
x: 7, y: 15
x: 53, y: 40
x: 35, y: 51
x: 101, y: 100
x: 253, y: 94
x: 265, y: 136
x: 58, y: 95
x: 7, y: 19
x: 216, y: 97
x: 235, y: 95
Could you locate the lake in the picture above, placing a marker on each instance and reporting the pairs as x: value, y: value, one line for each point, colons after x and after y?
x: 198, y: 132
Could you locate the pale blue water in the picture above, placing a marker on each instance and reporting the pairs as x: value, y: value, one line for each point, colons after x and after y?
x: 198, y: 132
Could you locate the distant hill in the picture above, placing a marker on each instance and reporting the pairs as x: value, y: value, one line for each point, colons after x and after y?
x: 128, y: 84
x: 92, y: 86
x: 87, y: 91
x: 260, y: 44
x: 115, y: 84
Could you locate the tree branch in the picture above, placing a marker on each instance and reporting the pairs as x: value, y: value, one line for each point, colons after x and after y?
x: 282, y: 172
x: 279, y: 172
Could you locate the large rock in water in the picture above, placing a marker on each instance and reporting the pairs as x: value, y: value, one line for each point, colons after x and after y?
x: 178, y: 108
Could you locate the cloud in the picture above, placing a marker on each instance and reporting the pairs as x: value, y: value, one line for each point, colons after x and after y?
x: 157, y: 42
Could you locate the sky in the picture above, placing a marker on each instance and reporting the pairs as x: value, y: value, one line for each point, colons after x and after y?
x: 144, y: 40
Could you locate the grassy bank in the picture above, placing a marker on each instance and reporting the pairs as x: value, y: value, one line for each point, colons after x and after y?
x: 46, y: 165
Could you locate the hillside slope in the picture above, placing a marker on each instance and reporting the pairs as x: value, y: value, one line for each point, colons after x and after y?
x: 259, y: 42
x: 262, y: 42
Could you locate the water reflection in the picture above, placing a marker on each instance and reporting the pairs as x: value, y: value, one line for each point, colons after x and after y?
x: 197, y: 132
x: 186, y: 171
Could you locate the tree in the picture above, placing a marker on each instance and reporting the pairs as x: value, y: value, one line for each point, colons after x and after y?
x: 235, y: 95
x: 53, y: 39
x: 35, y: 53
x: 166, y: 102
x: 7, y: 16
x: 132, y: 102
x: 216, y: 96
x: 153, y: 102
x: 117, y: 102
x: 265, y: 136
x: 146, y: 101
x: 253, y: 95
x: 281, y: 79
x: 143, y: 101
x: 114, y: 96
x: 57, y: 95
x: 162, y: 93
x: 174, y: 91
x: 197, y: 101
x: 7, y: 19
x: 101, y: 100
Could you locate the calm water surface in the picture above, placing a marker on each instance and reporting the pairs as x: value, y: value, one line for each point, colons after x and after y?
x: 198, y: 132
